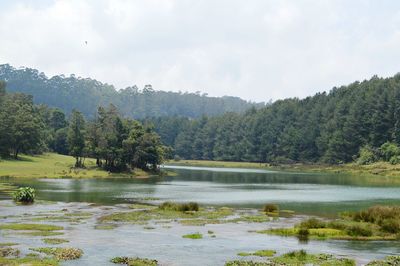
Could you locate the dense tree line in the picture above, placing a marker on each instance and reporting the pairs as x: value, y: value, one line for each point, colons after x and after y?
x: 327, y: 127
x: 85, y: 95
x: 117, y: 143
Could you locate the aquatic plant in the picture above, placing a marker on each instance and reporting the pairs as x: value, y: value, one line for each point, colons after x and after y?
x: 259, y: 253
x: 24, y: 195
x: 268, y: 208
x: 247, y: 263
x: 54, y: 241
x: 134, y: 261
x: 61, y: 253
x: 182, y: 207
x: 193, y: 236
x: 301, y: 257
x: 33, y: 227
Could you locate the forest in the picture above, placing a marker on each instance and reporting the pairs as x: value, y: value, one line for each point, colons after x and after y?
x: 85, y: 95
x: 118, y: 144
x: 359, y: 122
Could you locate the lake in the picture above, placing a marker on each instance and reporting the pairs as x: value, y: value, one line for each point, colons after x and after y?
x: 305, y: 193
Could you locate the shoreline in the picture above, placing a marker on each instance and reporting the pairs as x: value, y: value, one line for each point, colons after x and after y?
x: 378, y: 169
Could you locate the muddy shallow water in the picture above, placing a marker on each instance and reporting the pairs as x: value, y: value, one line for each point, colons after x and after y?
x: 307, y: 194
x: 166, y: 243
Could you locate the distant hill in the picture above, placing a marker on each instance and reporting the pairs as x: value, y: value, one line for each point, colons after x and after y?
x: 87, y: 94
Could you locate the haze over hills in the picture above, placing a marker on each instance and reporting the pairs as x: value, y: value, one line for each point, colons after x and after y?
x: 85, y: 95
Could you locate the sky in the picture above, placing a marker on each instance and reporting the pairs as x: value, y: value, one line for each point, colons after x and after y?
x: 254, y: 49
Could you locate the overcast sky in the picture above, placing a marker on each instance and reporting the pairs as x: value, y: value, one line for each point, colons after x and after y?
x: 254, y: 49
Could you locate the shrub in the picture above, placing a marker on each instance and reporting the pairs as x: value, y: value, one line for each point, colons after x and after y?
x: 312, y: 223
x: 183, y: 207
x: 24, y: 195
x: 303, y: 233
x: 389, y: 150
x: 177, y: 158
x: 271, y: 208
x: 358, y: 230
x: 377, y: 214
x: 367, y: 155
x: 391, y: 226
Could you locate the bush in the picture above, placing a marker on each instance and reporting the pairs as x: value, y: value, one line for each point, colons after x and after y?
x: 377, y: 214
x: 312, y: 223
x: 303, y: 233
x: 184, y: 207
x: 271, y: 208
x: 389, y: 150
x: 367, y: 156
x: 177, y: 158
x: 358, y: 230
x: 391, y: 226
x: 24, y: 195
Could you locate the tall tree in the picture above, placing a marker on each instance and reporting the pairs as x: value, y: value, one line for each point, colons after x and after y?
x: 76, y: 137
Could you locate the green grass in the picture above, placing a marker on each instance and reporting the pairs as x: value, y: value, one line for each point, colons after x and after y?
x: 51, y: 165
x: 259, y: 253
x: 30, y: 227
x: 193, y: 236
x: 54, y: 241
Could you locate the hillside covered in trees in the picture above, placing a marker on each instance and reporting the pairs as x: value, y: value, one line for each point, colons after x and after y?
x: 85, y: 95
x: 117, y: 143
x: 334, y: 127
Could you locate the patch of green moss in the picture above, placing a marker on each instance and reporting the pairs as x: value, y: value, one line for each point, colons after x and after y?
x: 134, y: 261
x: 54, y: 241
x: 61, y: 253
x: 193, y: 236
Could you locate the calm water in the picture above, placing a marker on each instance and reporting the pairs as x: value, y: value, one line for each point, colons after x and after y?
x: 319, y: 194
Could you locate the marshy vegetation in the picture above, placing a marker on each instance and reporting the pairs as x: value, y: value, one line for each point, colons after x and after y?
x: 134, y: 261
x: 24, y: 195
x: 61, y: 253
x: 374, y: 223
x: 193, y: 236
x: 297, y: 258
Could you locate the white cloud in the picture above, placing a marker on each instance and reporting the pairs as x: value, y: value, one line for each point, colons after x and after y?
x: 253, y: 49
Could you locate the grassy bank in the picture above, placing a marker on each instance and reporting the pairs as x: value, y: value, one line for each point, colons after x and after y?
x: 378, y: 168
x: 51, y: 165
